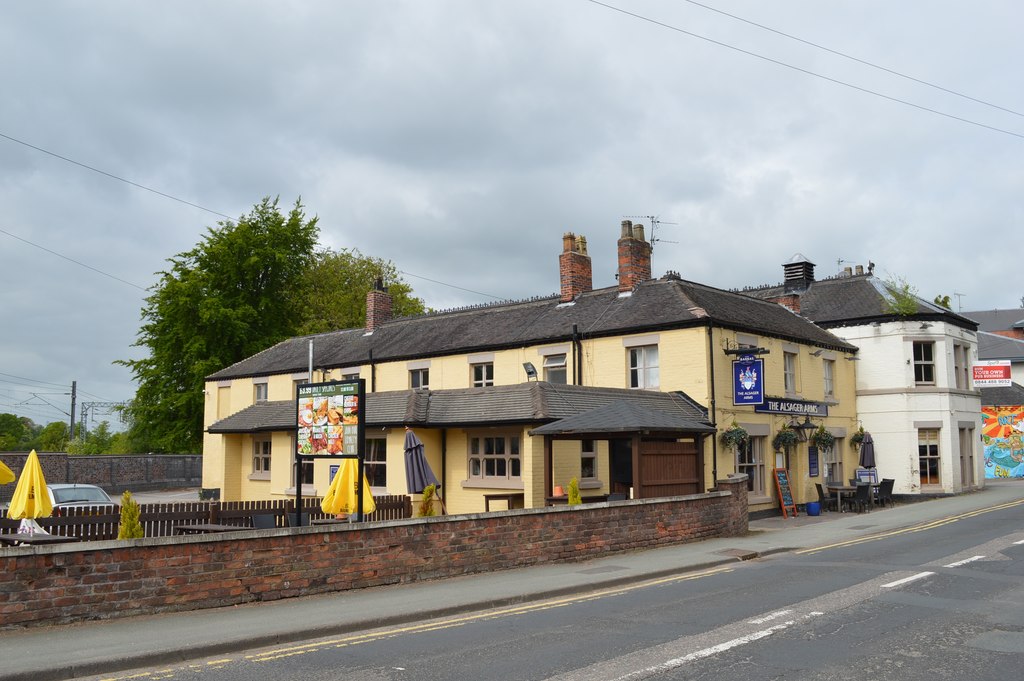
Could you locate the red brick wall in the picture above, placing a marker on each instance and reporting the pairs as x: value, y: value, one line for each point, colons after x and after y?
x: 101, y: 580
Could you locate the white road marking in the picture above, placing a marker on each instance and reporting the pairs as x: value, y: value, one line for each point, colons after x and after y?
x: 964, y: 562
x: 1017, y: 543
x: 769, y: 617
x: 901, y: 582
x: 669, y: 665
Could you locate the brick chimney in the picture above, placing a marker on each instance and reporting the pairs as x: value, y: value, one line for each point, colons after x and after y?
x: 378, y: 306
x: 574, y: 267
x: 634, y: 256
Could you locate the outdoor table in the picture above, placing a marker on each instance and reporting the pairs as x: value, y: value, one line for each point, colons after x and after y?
x: 23, y: 538
x: 839, y: 491
x: 205, y: 528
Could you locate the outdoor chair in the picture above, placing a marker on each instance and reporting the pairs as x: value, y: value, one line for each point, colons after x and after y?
x: 264, y: 521
x: 861, y: 500
x: 884, y: 495
x: 828, y: 503
x: 303, y: 519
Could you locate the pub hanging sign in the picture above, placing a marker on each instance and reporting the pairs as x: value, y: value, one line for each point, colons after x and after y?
x: 748, y: 380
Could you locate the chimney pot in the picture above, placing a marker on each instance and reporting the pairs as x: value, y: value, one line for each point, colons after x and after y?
x: 627, y: 229
x: 568, y: 242
x: 860, y: 269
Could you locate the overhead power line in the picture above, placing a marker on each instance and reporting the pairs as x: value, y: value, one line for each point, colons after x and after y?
x: 77, y: 262
x: 808, y: 72
x: 852, y: 58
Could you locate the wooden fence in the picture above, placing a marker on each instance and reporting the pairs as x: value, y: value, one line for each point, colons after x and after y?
x: 159, y: 520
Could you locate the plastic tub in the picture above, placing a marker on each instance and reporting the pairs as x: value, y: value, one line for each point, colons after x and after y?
x: 813, y: 508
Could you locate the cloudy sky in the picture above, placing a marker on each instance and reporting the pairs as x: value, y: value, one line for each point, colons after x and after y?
x: 460, y: 139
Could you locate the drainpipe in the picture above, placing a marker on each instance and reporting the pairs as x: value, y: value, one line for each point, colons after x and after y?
x: 444, y: 465
x: 373, y: 373
x: 577, y: 359
x: 712, y: 409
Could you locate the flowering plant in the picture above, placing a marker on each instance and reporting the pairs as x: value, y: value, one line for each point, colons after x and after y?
x: 857, y: 438
x: 734, y: 436
x: 786, y: 437
x: 822, y: 439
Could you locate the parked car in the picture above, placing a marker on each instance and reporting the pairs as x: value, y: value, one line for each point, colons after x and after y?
x: 71, y: 495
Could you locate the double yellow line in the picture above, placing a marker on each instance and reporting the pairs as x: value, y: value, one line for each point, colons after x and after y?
x: 930, y: 525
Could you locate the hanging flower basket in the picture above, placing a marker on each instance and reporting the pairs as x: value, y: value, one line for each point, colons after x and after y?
x: 822, y: 439
x: 734, y: 436
x: 857, y: 438
x: 786, y: 437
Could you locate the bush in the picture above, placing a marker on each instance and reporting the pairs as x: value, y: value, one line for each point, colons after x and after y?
x: 427, y: 502
x: 574, y: 493
x: 130, y: 526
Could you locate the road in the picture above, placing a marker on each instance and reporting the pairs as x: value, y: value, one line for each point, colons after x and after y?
x: 940, y: 600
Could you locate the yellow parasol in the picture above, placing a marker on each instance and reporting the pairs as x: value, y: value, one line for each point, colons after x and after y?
x: 30, y: 499
x: 343, y: 495
x: 6, y: 474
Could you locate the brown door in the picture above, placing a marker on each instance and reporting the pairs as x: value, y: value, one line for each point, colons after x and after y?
x: 669, y: 469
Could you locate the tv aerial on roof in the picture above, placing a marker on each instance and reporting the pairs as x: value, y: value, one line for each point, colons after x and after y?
x: 655, y: 223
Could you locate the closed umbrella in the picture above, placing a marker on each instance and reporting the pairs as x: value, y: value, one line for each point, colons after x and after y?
x: 343, y: 495
x: 417, y: 471
x: 867, y: 452
x: 30, y: 500
x: 6, y: 474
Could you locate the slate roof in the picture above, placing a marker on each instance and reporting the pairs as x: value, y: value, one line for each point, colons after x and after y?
x: 853, y: 300
x: 524, y: 403
x: 1003, y: 397
x: 994, y: 346
x: 998, y: 320
x: 657, y: 304
x: 624, y: 416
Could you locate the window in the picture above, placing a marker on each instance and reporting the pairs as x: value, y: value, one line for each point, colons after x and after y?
x: 924, y: 363
x: 295, y: 386
x: 829, y: 368
x: 350, y: 377
x: 554, y: 369
x: 260, y: 392
x: 960, y: 367
x: 307, y: 473
x: 494, y: 457
x: 375, y: 463
x: 261, y: 458
x: 419, y: 378
x: 750, y: 460
x: 588, y: 460
x: 643, y: 367
x: 789, y: 371
x: 928, y: 455
x: 483, y: 375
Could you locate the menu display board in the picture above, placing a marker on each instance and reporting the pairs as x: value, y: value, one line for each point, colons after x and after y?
x: 327, y: 417
x: 785, y: 493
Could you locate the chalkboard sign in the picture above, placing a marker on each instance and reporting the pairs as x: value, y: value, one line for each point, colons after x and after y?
x: 785, y: 493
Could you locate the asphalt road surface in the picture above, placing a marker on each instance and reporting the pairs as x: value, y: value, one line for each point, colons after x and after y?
x: 942, y: 600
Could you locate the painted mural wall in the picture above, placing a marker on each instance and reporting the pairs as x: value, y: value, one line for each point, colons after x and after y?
x: 1002, y: 435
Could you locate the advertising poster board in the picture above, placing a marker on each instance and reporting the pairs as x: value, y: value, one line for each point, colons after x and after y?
x: 781, y: 476
x: 992, y: 374
x: 1002, y: 436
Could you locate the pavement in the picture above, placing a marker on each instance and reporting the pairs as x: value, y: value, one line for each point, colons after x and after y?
x: 92, y: 648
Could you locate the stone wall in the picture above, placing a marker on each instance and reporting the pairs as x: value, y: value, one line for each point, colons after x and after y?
x: 100, y: 580
x: 115, y: 474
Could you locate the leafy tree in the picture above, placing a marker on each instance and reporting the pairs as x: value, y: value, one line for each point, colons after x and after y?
x: 332, y: 294
x: 130, y: 526
x: 13, y: 432
x: 902, y: 299
x: 53, y: 438
x: 224, y: 300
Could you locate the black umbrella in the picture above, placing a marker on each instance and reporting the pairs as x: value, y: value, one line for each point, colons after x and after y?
x: 867, y: 452
x: 417, y: 471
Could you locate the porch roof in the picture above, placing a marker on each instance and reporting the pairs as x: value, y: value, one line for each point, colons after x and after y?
x: 539, y: 402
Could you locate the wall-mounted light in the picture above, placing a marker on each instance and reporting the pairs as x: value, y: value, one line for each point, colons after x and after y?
x: 531, y: 371
x: 803, y: 430
x: 817, y: 353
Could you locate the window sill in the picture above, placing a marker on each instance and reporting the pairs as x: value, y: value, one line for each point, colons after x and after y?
x: 263, y: 477
x: 476, y: 483
x: 591, y: 483
x: 307, y: 491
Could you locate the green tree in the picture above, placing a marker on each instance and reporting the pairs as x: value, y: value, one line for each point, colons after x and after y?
x: 224, y: 300
x: 333, y: 291
x: 54, y: 437
x: 902, y: 298
x: 13, y: 432
x: 130, y: 526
